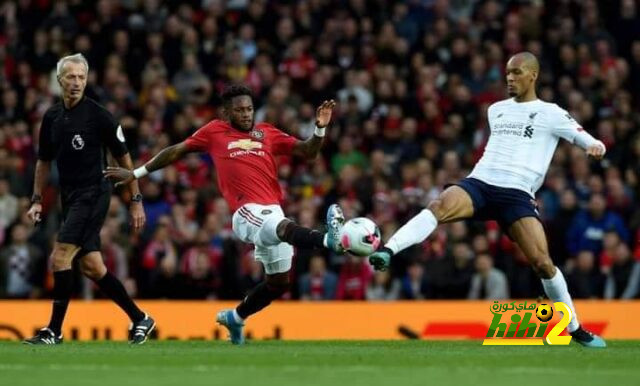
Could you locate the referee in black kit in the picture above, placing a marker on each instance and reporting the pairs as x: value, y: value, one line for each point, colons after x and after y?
x: 75, y: 133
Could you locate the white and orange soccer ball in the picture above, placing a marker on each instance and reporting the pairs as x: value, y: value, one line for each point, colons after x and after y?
x: 360, y: 236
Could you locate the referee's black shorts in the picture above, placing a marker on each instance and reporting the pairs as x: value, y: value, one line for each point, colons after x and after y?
x: 83, y: 213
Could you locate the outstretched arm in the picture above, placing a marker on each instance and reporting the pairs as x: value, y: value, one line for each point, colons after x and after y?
x: 594, y: 148
x: 566, y: 127
x: 165, y: 157
x: 311, y: 147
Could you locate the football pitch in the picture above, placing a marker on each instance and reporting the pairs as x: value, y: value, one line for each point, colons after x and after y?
x: 283, y: 363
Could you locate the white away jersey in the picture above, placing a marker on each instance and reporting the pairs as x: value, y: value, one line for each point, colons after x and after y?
x: 523, y: 139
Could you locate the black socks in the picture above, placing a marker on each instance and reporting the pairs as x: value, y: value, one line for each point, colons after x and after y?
x: 62, y: 289
x: 301, y: 237
x: 113, y: 288
x: 260, y: 297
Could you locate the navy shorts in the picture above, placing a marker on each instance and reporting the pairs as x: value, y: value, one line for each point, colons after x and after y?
x: 504, y: 205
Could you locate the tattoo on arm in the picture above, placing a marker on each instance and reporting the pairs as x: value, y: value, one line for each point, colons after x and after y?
x: 167, y: 156
x: 309, y: 148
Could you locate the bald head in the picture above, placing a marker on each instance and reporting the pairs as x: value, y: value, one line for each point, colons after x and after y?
x: 526, y: 59
x: 522, y: 73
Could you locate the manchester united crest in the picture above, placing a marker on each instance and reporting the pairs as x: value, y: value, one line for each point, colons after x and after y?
x: 257, y: 134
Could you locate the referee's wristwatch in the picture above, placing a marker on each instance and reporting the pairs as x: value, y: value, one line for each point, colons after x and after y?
x: 136, y: 198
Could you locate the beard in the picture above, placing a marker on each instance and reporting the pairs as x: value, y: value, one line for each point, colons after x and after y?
x: 241, y: 126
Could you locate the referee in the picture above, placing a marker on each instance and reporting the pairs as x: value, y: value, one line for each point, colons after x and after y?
x: 75, y: 133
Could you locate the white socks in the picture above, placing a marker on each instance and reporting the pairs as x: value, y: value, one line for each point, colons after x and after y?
x: 556, y: 289
x: 413, y: 232
x: 237, y: 317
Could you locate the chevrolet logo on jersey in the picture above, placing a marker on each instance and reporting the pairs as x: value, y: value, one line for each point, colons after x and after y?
x: 244, y: 144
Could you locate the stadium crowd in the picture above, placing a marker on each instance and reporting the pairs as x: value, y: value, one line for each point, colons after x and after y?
x: 413, y: 80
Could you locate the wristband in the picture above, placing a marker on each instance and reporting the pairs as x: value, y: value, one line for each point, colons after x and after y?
x: 36, y: 199
x: 140, y: 172
x: 319, y: 131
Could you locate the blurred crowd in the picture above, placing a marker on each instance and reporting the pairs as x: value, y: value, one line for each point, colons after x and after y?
x: 413, y: 79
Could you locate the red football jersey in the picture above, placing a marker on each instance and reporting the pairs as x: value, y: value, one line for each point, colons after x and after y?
x: 244, y: 161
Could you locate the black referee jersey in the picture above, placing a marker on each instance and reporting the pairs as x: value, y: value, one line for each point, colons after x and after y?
x: 77, y: 138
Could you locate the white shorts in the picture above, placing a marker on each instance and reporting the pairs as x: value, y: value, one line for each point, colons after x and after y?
x: 256, y: 224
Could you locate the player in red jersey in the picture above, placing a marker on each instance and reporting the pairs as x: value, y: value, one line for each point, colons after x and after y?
x: 243, y: 154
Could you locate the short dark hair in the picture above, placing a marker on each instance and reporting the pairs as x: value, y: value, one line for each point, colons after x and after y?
x: 233, y: 91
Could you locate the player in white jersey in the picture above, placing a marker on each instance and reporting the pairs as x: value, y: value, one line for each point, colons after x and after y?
x: 524, y: 135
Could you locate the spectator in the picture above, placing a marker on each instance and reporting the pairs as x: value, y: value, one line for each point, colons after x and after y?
x: 354, y: 278
x: 461, y: 271
x: 488, y: 282
x: 201, y: 266
x: 383, y: 287
x: 355, y: 86
x: 557, y: 226
x: 588, y: 227
x: 160, y: 262
x: 155, y: 205
x: 318, y: 283
x: 610, y: 243
x: 623, y: 281
x: 200, y: 279
x: 190, y: 82
x: 347, y: 155
x: 414, y: 283
x: 22, y: 266
x: 584, y: 279
x: 8, y: 207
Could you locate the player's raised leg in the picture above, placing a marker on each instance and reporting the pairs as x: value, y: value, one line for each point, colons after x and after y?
x: 452, y: 204
x: 301, y: 237
x: 529, y: 234
x: 92, y: 266
x: 274, y: 237
x: 61, y: 259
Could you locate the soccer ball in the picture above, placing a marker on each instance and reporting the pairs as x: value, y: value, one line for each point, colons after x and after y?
x: 544, y: 312
x: 360, y: 236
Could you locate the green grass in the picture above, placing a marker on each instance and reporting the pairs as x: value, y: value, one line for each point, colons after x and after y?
x: 265, y: 363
